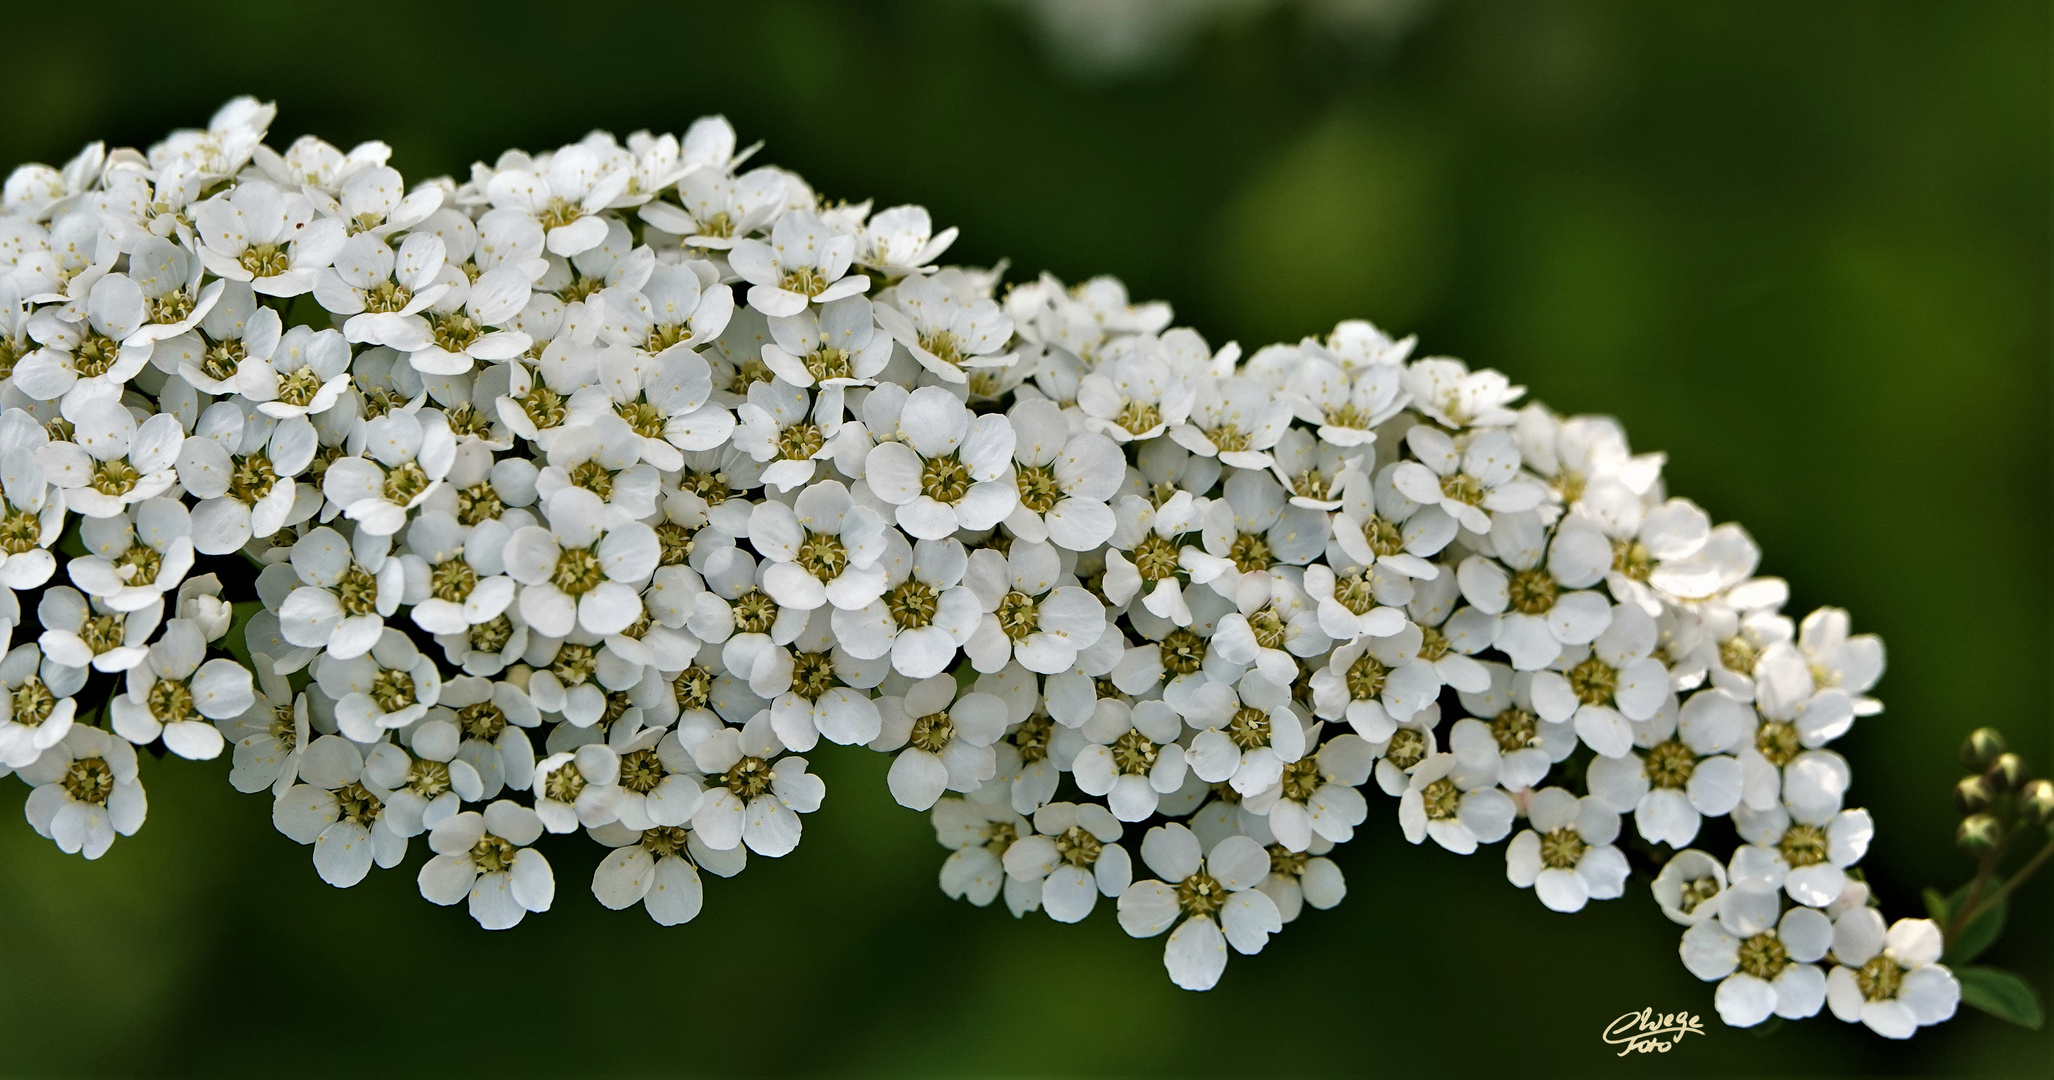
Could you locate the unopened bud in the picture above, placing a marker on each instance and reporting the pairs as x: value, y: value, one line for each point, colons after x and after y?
x: 2037, y: 802
x: 2007, y: 773
x: 1972, y: 795
x: 1982, y: 747
x: 1978, y: 834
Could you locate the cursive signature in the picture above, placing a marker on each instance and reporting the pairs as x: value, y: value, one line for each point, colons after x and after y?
x: 1646, y: 1032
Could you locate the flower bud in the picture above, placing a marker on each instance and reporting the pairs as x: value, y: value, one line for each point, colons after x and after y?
x: 199, y: 599
x: 2007, y: 773
x: 1978, y: 834
x: 1972, y: 795
x: 2036, y: 804
x: 1982, y: 747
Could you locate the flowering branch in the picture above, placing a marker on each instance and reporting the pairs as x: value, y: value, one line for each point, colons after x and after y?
x: 594, y: 492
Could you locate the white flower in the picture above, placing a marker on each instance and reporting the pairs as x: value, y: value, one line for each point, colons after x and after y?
x: 266, y: 236
x: 566, y: 193
x: 199, y: 601
x: 486, y: 857
x: 1031, y: 612
x: 567, y: 681
x: 602, y: 455
x: 1565, y: 855
x: 305, y: 373
x: 1795, y: 716
x: 269, y: 736
x: 902, y: 241
x: 1073, y: 857
x: 719, y: 208
x: 1459, y: 812
x: 465, y: 327
x: 408, y: 459
x: 1890, y: 980
x: 346, y: 590
x: 1503, y: 732
x: 174, y: 695
x: 1065, y: 480
x: 949, y: 475
x: 1251, y: 530
x: 1466, y: 479
x: 241, y: 466
x: 978, y: 834
x: 1691, y: 887
x: 1234, y: 419
x: 38, y: 709
x: 1643, y: 538
x: 86, y: 791
x: 1160, y: 563
x: 1346, y: 408
x: 1806, y: 857
x: 951, y: 326
x: 340, y: 809
x: 1134, y: 398
x: 1617, y: 681
x: 1379, y: 526
x: 89, y: 359
x: 1544, y: 602
x: 1315, y: 471
x: 924, y: 613
x: 1132, y: 758
x: 1727, y: 558
x: 778, y: 426
x: 1316, y: 795
x: 378, y: 294
x: 1684, y: 776
x: 455, y: 576
x: 1772, y: 972
x: 804, y: 262
x: 1848, y: 664
x: 822, y: 549
x: 946, y: 740
x: 659, y: 868
x: 389, y: 687
x: 815, y: 688
x: 578, y: 572
x: 30, y: 521
x: 753, y: 795
x: 834, y: 344
x: 658, y: 784
x: 1450, y: 393
x: 1210, y: 895
x: 1245, y: 735
x: 577, y: 787
x: 494, y: 718
x: 1358, y: 603
x: 1275, y: 625
x: 112, y: 461
x: 137, y: 555
x: 370, y: 196
x: 1305, y: 877
x: 663, y: 403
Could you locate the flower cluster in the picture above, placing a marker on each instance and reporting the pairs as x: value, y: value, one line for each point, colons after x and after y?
x: 593, y: 492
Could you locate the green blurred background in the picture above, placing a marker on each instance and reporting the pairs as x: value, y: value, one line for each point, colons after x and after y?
x: 1801, y: 247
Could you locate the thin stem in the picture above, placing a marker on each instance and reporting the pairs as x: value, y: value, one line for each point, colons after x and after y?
x: 1983, y: 881
x: 2024, y: 872
x: 1975, y: 893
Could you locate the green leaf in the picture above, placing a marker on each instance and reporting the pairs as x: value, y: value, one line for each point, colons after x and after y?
x: 1936, y: 906
x: 2001, y: 994
x: 1982, y: 931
